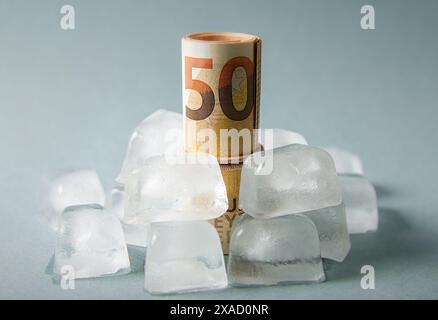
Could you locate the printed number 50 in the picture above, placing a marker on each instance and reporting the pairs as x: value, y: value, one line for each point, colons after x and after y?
x: 225, y: 88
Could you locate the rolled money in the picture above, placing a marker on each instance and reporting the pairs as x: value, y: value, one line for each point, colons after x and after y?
x: 223, y: 224
x: 221, y: 94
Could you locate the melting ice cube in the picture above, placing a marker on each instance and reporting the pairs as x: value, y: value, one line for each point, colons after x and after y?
x: 276, y: 138
x: 331, y: 224
x: 188, y: 186
x: 90, y: 242
x: 184, y: 256
x: 115, y: 203
x: 71, y: 188
x: 274, y: 251
x: 345, y: 161
x: 360, y: 201
x: 302, y: 178
x: 160, y: 133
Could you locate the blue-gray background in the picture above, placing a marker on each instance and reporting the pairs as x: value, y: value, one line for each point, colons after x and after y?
x: 71, y: 98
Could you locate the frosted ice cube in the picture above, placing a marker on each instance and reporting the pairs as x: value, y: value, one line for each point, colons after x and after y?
x: 68, y: 189
x: 136, y: 234
x: 115, y: 201
x: 160, y: 133
x: 91, y: 241
x: 303, y: 178
x: 187, y: 186
x: 280, y: 138
x: 345, y: 161
x: 274, y: 251
x: 331, y: 224
x: 361, y: 206
x: 184, y: 256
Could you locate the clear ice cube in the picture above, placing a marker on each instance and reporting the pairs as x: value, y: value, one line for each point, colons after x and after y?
x: 136, y: 234
x: 345, y: 161
x: 115, y: 201
x: 280, y: 138
x: 302, y: 178
x: 331, y: 224
x: 71, y: 188
x: 90, y: 241
x: 160, y: 133
x: 361, y: 206
x: 274, y: 251
x: 184, y: 256
x: 187, y: 186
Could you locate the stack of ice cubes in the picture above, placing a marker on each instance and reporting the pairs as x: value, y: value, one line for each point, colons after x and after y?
x: 90, y: 241
x: 172, y: 194
x: 358, y: 193
x: 177, y: 195
x: 297, y: 208
x: 294, y: 217
x: 160, y: 133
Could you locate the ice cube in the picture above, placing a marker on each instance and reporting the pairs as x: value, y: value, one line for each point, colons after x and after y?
x: 331, y: 224
x: 115, y: 201
x: 345, y: 161
x: 136, y: 234
x: 302, y: 178
x: 280, y: 138
x: 184, y: 256
x: 187, y: 186
x: 160, y: 133
x: 360, y: 201
x: 274, y: 251
x: 90, y: 241
x: 71, y: 188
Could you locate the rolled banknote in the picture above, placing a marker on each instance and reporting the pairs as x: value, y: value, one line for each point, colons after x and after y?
x: 221, y: 94
x: 221, y: 98
x: 223, y: 224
